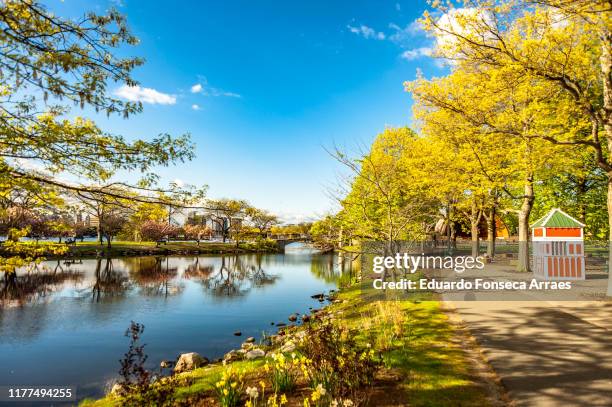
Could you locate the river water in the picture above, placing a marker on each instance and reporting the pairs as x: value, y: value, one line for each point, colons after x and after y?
x: 64, y: 324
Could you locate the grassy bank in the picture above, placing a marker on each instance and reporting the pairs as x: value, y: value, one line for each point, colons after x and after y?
x: 421, y: 361
x: 419, y: 347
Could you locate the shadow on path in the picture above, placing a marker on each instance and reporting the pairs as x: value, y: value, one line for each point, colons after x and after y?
x: 546, y: 354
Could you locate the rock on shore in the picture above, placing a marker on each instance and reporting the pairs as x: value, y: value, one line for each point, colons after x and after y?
x: 189, y: 361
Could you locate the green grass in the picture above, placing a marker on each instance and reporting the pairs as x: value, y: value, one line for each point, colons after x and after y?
x: 433, y: 367
x: 200, y: 381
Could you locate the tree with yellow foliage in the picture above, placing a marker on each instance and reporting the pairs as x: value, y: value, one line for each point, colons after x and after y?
x: 564, y: 45
x: 494, y: 121
x: 387, y: 199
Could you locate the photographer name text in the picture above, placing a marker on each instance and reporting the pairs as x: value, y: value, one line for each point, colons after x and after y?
x: 464, y: 285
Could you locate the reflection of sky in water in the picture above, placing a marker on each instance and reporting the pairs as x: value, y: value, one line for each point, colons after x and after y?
x: 71, y: 331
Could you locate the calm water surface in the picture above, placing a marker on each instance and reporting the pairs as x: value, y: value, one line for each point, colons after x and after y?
x: 64, y: 324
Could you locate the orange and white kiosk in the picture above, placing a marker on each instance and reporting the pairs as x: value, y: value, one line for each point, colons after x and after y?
x: 558, y: 247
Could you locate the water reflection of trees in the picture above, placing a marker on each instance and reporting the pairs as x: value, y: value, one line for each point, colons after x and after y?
x: 113, y: 279
x: 197, y: 271
x: 109, y: 282
x: 154, y: 275
x: 334, y: 268
x: 35, y: 285
x: 237, y: 275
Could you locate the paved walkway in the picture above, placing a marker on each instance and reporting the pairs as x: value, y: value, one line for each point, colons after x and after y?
x: 546, y: 353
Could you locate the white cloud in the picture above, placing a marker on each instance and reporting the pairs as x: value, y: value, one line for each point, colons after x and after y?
x: 405, y: 36
x: 178, y: 182
x: 145, y: 95
x: 415, y: 53
x: 195, y: 107
x: 292, y: 218
x: 219, y: 92
x: 203, y: 88
x: 464, y: 21
x: 366, y: 32
x: 398, y: 7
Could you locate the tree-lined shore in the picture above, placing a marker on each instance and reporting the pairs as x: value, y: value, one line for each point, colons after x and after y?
x: 520, y: 124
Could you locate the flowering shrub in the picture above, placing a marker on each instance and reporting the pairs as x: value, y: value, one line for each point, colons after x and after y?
x: 318, y: 396
x: 229, y: 388
x: 152, y: 230
x: 284, y: 372
x: 259, y: 400
x: 254, y: 396
x: 277, y: 401
x: 342, y: 403
x: 336, y: 366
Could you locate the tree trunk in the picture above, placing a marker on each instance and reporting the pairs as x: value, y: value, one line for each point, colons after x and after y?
x: 475, y: 239
x: 609, y: 234
x: 100, y: 237
x: 474, y: 223
x: 606, y: 68
x: 582, y: 189
x: 491, y: 232
x: 108, y: 241
x: 523, y: 224
x: 448, y: 229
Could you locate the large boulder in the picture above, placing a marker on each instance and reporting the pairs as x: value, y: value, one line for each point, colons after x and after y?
x: 234, y: 355
x: 255, y: 354
x: 117, y: 389
x: 189, y: 361
x: 288, y: 347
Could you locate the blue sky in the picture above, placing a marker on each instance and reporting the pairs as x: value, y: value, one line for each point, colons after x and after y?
x: 264, y: 86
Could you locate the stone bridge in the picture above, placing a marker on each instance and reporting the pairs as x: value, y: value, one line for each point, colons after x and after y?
x: 283, y: 241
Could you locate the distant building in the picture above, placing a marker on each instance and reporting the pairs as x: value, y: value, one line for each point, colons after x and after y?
x: 91, y: 221
x: 216, y: 223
